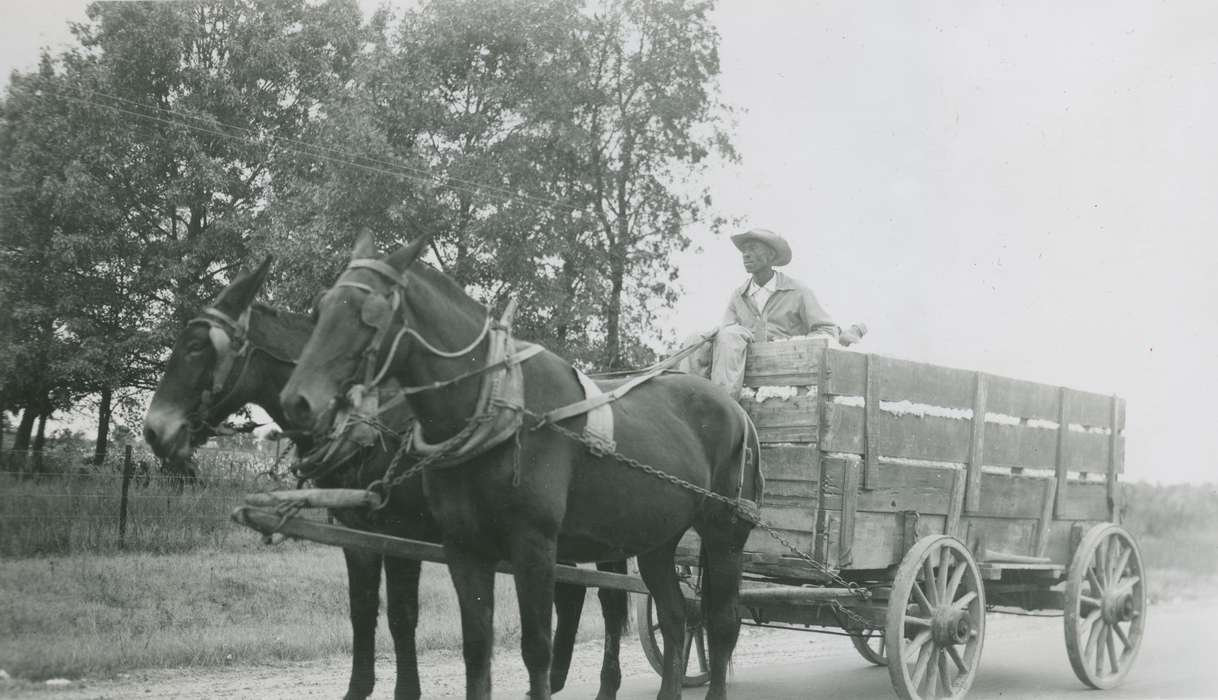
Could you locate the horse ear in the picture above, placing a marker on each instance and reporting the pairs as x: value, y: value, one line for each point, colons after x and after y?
x: 239, y: 294
x: 365, y: 247
x: 408, y: 253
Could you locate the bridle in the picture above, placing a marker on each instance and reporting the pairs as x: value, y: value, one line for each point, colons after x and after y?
x: 500, y: 402
x: 230, y: 339
x: 377, y: 312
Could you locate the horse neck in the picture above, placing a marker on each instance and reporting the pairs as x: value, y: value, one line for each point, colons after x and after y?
x: 439, y: 311
x: 268, y: 372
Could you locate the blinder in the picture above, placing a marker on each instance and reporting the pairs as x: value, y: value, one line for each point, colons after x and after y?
x: 376, y: 311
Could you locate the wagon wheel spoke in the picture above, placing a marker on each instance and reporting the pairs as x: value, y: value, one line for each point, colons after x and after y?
x: 1096, y: 588
x: 957, y: 577
x: 965, y: 600
x: 917, y: 645
x: 693, y: 642
x: 955, y: 654
x: 945, y: 677
x: 1090, y: 629
x: 922, y: 664
x: 928, y: 580
x: 927, y: 608
x: 1119, y: 562
x: 1111, y: 646
x: 945, y: 563
x: 932, y: 673
x: 1093, y: 602
x: 1098, y: 638
x: 1101, y: 559
x: 1124, y: 639
x: 917, y: 622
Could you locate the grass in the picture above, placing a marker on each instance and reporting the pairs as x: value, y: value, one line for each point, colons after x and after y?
x: 186, y: 587
x: 94, y: 616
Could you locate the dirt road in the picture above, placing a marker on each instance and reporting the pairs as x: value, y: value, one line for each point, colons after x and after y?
x: 1023, y: 658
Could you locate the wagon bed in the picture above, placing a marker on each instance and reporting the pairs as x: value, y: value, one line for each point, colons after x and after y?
x: 864, y: 453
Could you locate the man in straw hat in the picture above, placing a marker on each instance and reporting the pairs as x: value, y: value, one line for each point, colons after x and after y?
x: 769, y: 306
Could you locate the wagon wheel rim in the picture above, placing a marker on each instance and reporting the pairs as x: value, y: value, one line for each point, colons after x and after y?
x: 871, y: 646
x: 652, y: 642
x: 936, y: 621
x: 1105, y: 606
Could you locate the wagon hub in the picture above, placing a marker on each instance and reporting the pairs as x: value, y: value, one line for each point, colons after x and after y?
x: 950, y: 626
x: 1119, y: 606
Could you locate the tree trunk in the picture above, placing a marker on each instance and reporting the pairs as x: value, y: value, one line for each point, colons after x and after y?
x: 103, y: 426
x: 40, y: 441
x: 613, y: 312
x: 25, y: 428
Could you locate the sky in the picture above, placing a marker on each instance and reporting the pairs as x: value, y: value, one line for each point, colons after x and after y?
x: 1022, y: 188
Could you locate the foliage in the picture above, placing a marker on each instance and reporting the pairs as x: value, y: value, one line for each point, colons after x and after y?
x: 554, y: 146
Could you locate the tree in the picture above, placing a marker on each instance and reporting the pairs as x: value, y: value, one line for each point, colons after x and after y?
x: 150, y: 194
x: 647, y: 124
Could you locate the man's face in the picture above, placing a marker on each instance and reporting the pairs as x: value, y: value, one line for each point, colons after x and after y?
x: 756, y: 256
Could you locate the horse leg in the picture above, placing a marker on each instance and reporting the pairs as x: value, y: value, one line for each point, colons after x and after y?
x: 402, y: 607
x: 473, y: 578
x: 658, y: 572
x: 568, y: 607
x: 363, y: 588
x: 615, y: 610
x: 533, y: 560
x: 720, y: 592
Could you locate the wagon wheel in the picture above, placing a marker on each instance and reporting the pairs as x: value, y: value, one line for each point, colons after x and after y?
x: 1105, y: 606
x: 695, y: 641
x: 870, y: 645
x: 936, y: 621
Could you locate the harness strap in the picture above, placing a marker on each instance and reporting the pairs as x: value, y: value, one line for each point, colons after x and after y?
x: 384, y: 269
x: 575, y: 409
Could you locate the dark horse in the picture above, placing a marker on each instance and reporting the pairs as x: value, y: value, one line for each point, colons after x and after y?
x: 202, y: 387
x: 539, y: 496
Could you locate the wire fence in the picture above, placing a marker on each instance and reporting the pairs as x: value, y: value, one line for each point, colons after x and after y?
x: 60, y: 503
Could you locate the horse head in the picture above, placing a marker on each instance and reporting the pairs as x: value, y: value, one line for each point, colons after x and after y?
x: 356, y: 319
x: 203, y: 383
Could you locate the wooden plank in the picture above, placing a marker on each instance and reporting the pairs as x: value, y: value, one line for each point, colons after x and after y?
x: 1011, y: 496
x: 791, y: 489
x: 955, y: 503
x: 792, y: 462
x: 976, y: 449
x: 871, y: 424
x: 1046, y: 516
x: 878, y: 538
x: 1088, y: 502
x: 786, y: 518
x: 903, y: 380
x: 1091, y: 410
x: 267, y: 521
x: 786, y: 363
x: 789, y: 420
x: 850, y: 501
x: 936, y: 438
x: 1060, y: 468
x: 1020, y: 399
x: 924, y: 489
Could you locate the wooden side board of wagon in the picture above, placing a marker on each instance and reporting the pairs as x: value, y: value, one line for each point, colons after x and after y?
x: 942, y: 492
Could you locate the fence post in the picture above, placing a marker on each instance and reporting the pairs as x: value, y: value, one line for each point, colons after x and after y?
x: 128, y: 472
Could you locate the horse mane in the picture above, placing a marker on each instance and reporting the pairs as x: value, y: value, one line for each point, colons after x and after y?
x: 281, y: 332
x: 449, y: 288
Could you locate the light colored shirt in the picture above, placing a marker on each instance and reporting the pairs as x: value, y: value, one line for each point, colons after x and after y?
x: 762, y: 293
x: 790, y: 310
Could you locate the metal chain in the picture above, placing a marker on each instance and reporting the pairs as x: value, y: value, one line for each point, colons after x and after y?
x: 750, y: 515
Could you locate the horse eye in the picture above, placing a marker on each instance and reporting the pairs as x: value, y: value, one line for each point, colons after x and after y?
x: 196, y: 346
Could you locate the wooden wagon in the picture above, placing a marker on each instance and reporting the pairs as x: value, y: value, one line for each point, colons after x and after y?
x: 902, y: 501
